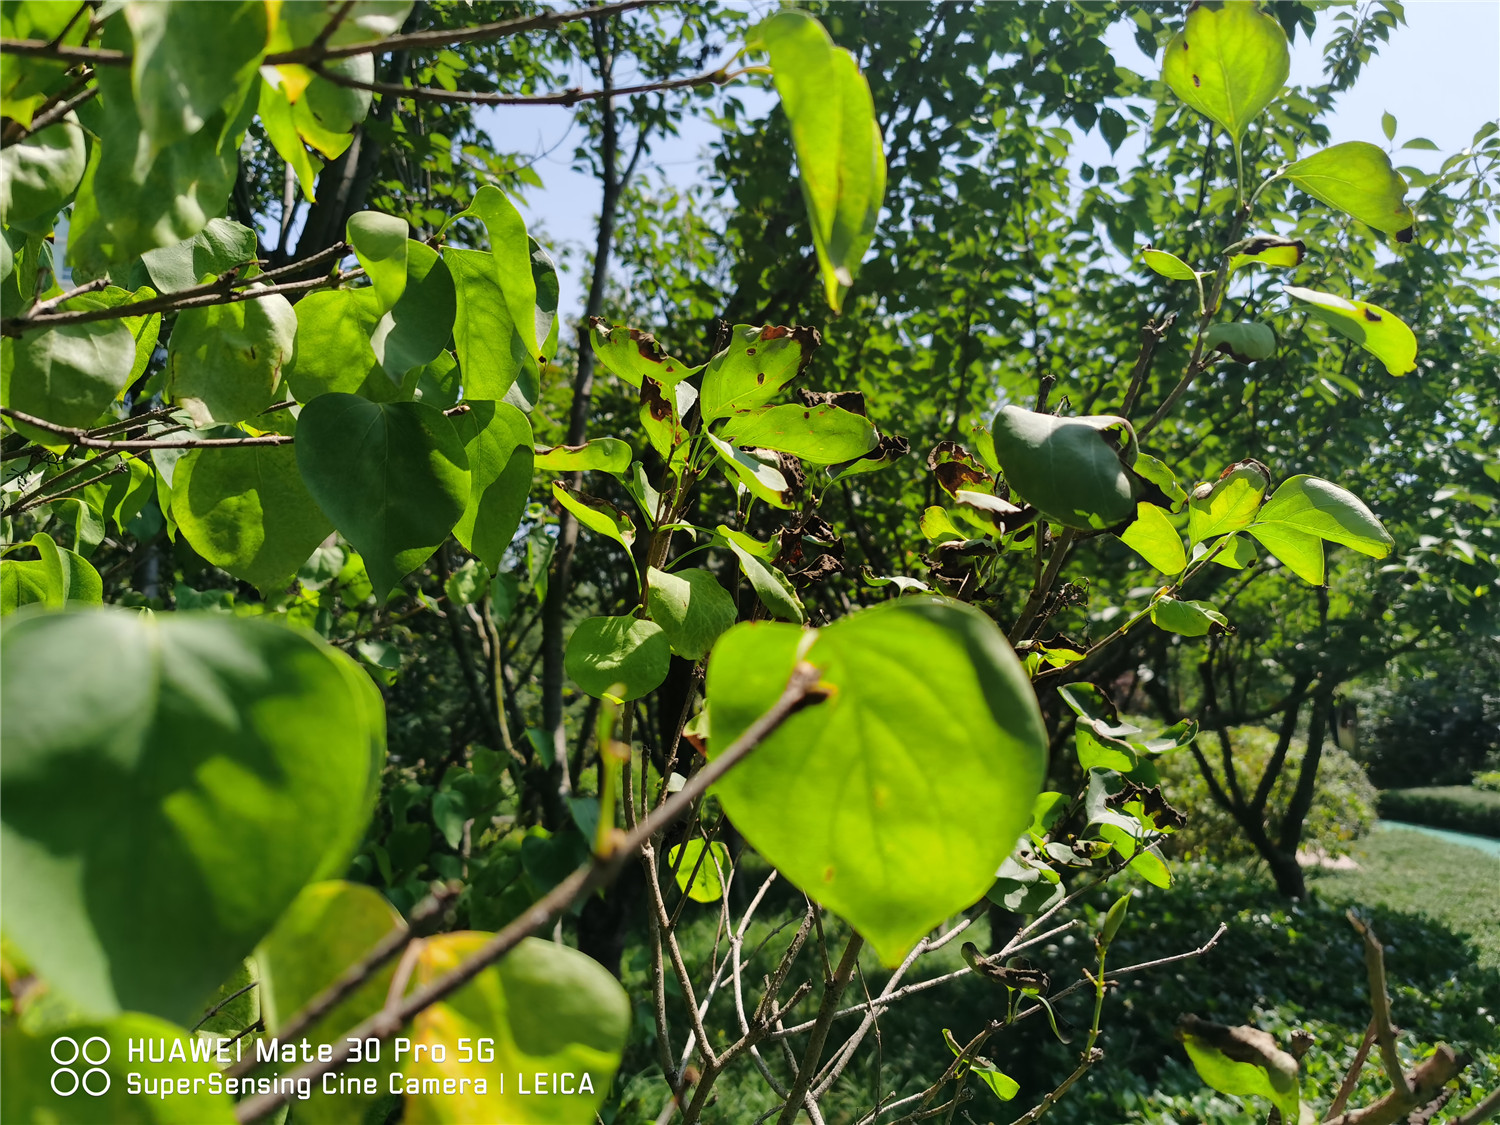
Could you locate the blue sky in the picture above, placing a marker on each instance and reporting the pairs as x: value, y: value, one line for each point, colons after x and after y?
x: 1439, y: 76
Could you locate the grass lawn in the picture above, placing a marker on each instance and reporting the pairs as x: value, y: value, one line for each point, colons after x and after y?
x: 1411, y: 872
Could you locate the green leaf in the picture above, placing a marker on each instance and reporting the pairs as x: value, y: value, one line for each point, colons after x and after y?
x: 415, y: 331
x: 634, y: 355
x: 661, y: 413
x: 763, y: 480
x: 701, y: 879
x: 597, y: 515
x: 1150, y: 866
x: 379, y: 242
x: 32, y: 1075
x: 938, y: 526
x: 823, y: 434
x: 246, y: 510
x: 754, y: 368
x: 510, y: 253
x: 497, y: 440
x: 25, y: 83
x: 192, y: 61
x: 1103, y: 741
x: 1169, y: 265
x: 1357, y: 178
x: 1114, y: 919
x: 328, y: 928
x: 894, y: 801
x: 467, y: 584
x: 1189, y: 619
x: 608, y: 455
x: 691, y: 608
x: 617, y: 658
x: 1073, y: 470
x: 224, y: 361
x: 1270, y: 250
x: 840, y: 161
x: 764, y: 549
x: 1236, y: 553
x: 1242, y: 1061
x: 55, y: 577
x: 1242, y: 341
x: 279, y: 120
x: 39, y: 173
x: 393, y: 478
x: 1227, y: 63
x: 1381, y: 333
x: 217, y: 248
x: 333, y: 350
x: 1153, y: 537
x: 1299, y: 551
x: 1319, y: 507
x: 491, y: 352
x: 1229, y: 504
x: 1002, y: 1085
x: 172, y: 782
x: 363, y: 21
x: 548, y: 1008
x: 1388, y: 126
x: 67, y: 374
x: 771, y: 586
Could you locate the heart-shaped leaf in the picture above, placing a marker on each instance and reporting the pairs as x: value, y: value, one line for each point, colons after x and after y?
x: 894, y: 801
x: 1383, y: 334
x: 1155, y: 539
x: 218, y: 247
x: 415, y: 330
x: 691, y: 607
x: 67, y: 374
x: 1245, y: 341
x: 700, y: 876
x: 39, y: 173
x: 1227, y: 63
x: 224, y: 361
x: 491, y: 349
x: 497, y: 440
x: 379, y: 242
x: 171, y: 783
x: 619, y: 658
x: 55, y: 577
x: 393, y: 477
x: 1189, y: 619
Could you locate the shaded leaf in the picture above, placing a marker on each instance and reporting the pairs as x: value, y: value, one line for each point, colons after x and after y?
x: 617, y: 658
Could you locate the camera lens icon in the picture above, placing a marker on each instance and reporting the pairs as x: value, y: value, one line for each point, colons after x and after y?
x: 70, y: 1057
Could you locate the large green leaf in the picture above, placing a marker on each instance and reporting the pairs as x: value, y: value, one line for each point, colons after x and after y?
x: 68, y: 374
x: 1357, y: 178
x: 763, y: 479
x: 25, y: 83
x: 619, y: 658
x: 840, y: 162
x: 491, y: 351
x: 549, y: 1010
x: 333, y: 346
x: 823, y: 434
x: 1073, y: 470
x: 894, y: 801
x: 218, y: 247
x: 634, y: 355
x: 55, y: 577
x: 171, y: 782
x: 95, y: 1092
x: 1229, y: 503
x: 1189, y: 619
x: 1318, y: 507
x: 39, y: 173
x: 418, y: 328
x: 754, y: 368
x: 245, y: 509
x: 1242, y: 1061
x: 497, y: 439
x: 1300, y: 552
x: 1244, y: 341
x: 1383, y: 334
x: 510, y: 256
x: 362, y: 21
x: 380, y: 242
x: 393, y: 477
x: 224, y: 361
x: 1227, y: 63
x: 691, y: 608
x: 192, y: 61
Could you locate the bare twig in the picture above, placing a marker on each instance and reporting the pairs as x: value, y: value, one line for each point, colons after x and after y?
x: 1486, y: 1109
x: 833, y: 988
x: 1346, y: 1087
x: 800, y: 691
x: 85, y: 440
x: 1380, y: 1005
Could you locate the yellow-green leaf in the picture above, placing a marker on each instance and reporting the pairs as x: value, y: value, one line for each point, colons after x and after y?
x: 1383, y: 334
x: 1357, y: 178
x: 1227, y: 63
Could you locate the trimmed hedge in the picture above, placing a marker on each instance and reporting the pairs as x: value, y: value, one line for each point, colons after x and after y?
x: 1459, y: 807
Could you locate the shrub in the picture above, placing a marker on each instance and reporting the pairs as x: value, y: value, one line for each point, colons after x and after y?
x: 1462, y: 808
x: 1488, y: 780
x: 1343, y: 806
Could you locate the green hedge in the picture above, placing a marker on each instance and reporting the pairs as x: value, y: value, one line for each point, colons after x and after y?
x: 1459, y: 807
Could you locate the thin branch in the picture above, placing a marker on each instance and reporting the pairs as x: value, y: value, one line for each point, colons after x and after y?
x: 1346, y: 1087
x: 85, y: 440
x: 224, y: 1003
x: 800, y: 691
x: 833, y: 988
x: 1481, y: 1112
x: 1380, y: 1005
x: 65, y: 52
x: 570, y: 97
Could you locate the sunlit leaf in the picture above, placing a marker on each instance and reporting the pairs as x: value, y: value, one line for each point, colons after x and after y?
x: 1227, y: 63
x: 1357, y: 178
x: 1383, y: 334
